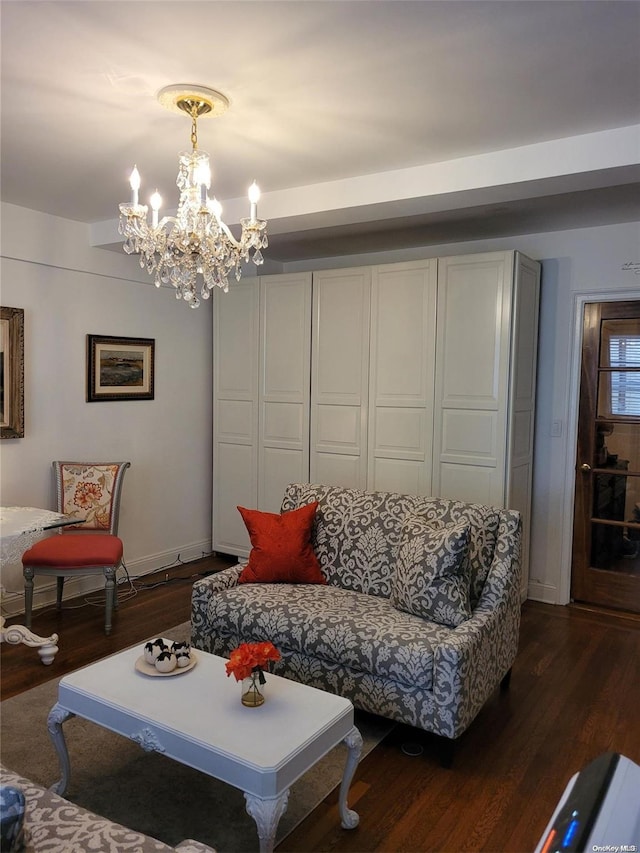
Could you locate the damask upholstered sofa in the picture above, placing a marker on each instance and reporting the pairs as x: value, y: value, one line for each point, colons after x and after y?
x: 52, y: 824
x: 418, y: 619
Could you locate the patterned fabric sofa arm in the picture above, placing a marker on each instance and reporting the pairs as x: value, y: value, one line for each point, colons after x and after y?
x: 480, y: 652
x: 53, y: 824
x: 203, y: 591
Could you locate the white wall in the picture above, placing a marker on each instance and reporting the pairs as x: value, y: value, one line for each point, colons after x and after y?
x: 574, y: 263
x: 68, y: 290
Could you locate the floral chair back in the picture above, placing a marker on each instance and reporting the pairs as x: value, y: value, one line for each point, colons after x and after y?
x: 90, y: 492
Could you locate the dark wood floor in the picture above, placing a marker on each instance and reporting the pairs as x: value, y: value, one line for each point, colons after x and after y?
x: 575, y: 693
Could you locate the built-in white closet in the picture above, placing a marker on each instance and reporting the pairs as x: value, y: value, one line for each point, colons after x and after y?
x: 414, y: 377
x: 261, y: 387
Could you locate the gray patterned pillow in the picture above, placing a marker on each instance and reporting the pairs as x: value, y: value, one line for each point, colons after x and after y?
x: 431, y: 577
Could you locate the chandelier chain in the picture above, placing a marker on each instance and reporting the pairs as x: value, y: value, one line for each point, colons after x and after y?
x: 194, y: 131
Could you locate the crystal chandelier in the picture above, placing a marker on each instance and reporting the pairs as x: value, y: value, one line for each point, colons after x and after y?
x: 193, y: 250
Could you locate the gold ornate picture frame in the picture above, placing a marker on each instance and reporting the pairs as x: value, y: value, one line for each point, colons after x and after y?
x: 120, y: 368
x: 11, y: 372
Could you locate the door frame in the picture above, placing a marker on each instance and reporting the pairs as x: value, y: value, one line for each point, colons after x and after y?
x: 580, y: 299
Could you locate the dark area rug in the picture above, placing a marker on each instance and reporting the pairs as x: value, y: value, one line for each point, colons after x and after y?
x: 147, y: 791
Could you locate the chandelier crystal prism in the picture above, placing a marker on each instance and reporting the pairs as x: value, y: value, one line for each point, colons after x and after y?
x: 194, y: 250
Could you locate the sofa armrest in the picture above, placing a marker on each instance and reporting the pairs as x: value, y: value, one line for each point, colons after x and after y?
x: 220, y: 581
x: 470, y: 664
x: 202, y: 592
x: 56, y: 825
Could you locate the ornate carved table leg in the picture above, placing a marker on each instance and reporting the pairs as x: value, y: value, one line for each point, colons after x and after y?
x: 349, y: 819
x: 57, y: 716
x: 17, y: 634
x: 267, y: 814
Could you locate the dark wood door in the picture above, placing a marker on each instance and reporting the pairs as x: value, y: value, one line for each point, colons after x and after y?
x: 606, y: 528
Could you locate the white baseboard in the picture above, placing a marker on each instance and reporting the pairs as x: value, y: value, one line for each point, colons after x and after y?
x: 45, y: 593
x: 546, y: 593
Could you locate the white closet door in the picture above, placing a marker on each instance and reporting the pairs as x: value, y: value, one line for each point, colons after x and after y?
x: 235, y: 412
x: 284, y: 386
x: 340, y: 377
x: 403, y: 337
x: 472, y: 376
x: 523, y: 397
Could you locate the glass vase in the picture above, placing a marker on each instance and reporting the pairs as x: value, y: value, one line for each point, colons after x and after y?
x: 252, y: 691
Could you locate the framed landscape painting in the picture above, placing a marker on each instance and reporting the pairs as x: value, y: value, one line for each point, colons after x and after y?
x: 11, y: 372
x: 119, y: 368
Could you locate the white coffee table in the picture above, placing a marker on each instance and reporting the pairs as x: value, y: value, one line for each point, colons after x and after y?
x: 197, y: 718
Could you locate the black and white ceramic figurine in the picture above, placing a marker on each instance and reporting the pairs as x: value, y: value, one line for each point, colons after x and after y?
x: 182, y: 651
x: 153, y: 649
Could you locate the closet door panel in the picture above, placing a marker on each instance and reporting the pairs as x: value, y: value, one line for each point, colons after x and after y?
x: 471, y: 483
x: 338, y: 429
x: 236, y: 467
x: 472, y: 376
x: 473, y: 336
x: 235, y: 412
x: 340, y: 377
x: 400, y: 433
x: 336, y: 469
x: 285, y: 314
x: 486, y: 354
x: 524, y: 348
x: 520, y: 499
x: 283, y: 425
x: 284, y: 389
x: 469, y: 438
x: 280, y: 467
x: 524, y: 361
x: 522, y: 436
x: 236, y: 341
x: 397, y: 475
x: 341, y: 340
x: 235, y: 421
x: 403, y: 324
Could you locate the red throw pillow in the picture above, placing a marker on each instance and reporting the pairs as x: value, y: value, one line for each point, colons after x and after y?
x: 282, y: 551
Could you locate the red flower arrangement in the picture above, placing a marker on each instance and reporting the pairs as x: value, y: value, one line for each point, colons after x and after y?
x: 251, y: 657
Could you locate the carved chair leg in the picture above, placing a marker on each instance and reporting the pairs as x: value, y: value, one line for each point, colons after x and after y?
x: 110, y: 593
x: 28, y: 596
x: 115, y: 598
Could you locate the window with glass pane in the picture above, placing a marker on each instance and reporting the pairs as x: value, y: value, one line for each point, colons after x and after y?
x: 619, y: 375
x: 624, y: 351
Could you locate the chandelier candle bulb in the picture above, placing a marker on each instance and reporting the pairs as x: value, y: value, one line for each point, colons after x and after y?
x: 155, y: 202
x: 202, y: 176
x: 134, y: 182
x: 254, y: 198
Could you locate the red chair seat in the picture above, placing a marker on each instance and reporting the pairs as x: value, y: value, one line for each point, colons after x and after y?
x: 75, y: 551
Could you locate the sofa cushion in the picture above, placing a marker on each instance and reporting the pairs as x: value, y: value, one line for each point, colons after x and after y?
x: 431, y: 576
x: 281, y: 548
x: 362, y: 632
x: 356, y: 534
x: 483, y: 524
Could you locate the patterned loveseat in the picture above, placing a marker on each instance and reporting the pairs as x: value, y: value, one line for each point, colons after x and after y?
x: 357, y: 636
x: 52, y: 824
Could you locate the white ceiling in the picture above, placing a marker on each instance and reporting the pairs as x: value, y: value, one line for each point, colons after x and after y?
x: 327, y: 99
